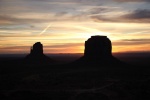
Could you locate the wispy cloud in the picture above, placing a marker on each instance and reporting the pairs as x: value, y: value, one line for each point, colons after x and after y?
x: 10, y: 20
x: 132, y: 0
x: 131, y: 42
x: 137, y: 16
x: 137, y: 40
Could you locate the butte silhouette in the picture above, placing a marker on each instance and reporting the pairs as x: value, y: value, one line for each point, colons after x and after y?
x: 98, y: 51
x: 36, y: 55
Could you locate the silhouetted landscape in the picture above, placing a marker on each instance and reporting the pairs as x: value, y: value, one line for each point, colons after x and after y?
x: 95, y: 75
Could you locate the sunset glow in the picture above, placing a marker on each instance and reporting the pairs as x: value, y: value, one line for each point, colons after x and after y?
x: 63, y: 26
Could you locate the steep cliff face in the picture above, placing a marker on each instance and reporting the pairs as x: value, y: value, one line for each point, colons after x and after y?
x: 37, y: 56
x: 98, y: 51
x: 98, y: 47
x: 37, y: 49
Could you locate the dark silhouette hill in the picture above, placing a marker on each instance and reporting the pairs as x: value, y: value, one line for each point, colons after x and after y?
x: 37, y: 56
x: 98, y: 51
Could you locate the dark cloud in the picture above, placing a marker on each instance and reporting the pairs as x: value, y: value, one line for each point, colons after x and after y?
x: 54, y: 17
x: 33, y: 6
x: 132, y: 0
x: 86, y: 2
x: 4, y: 19
x: 137, y: 16
x: 61, y: 14
x: 101, y: 18
x: 131, y: 42
x: 99, y: 10
x: 68, y: 12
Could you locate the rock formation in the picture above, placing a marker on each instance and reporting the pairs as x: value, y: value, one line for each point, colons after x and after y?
x: 37, y: 49
x: 36, y: 55
x: 97, y: 47
x: 98, y: 51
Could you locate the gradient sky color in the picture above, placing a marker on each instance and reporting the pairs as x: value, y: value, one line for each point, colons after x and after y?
x: 62, y: 26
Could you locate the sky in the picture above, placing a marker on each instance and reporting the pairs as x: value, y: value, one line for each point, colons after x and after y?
x: 62, y: 26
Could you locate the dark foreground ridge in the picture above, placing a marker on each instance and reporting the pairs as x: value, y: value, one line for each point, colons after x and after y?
x: 98, y: 51
x: 36, y: 55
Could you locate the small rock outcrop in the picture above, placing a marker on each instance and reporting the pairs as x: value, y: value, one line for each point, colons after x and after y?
x: 37, y: 56
x: 37, y: 49
x: 98, y: 51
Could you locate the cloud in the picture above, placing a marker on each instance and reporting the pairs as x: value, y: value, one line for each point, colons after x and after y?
x: 136, y: 40
x: 99, y: 10
x: 5, y: 19
x: 61, y: 10
x: 58, y: 17
x: 132, y: 0
x: 125, y: 42
x: 137, y: 16
x: 101, y: 18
